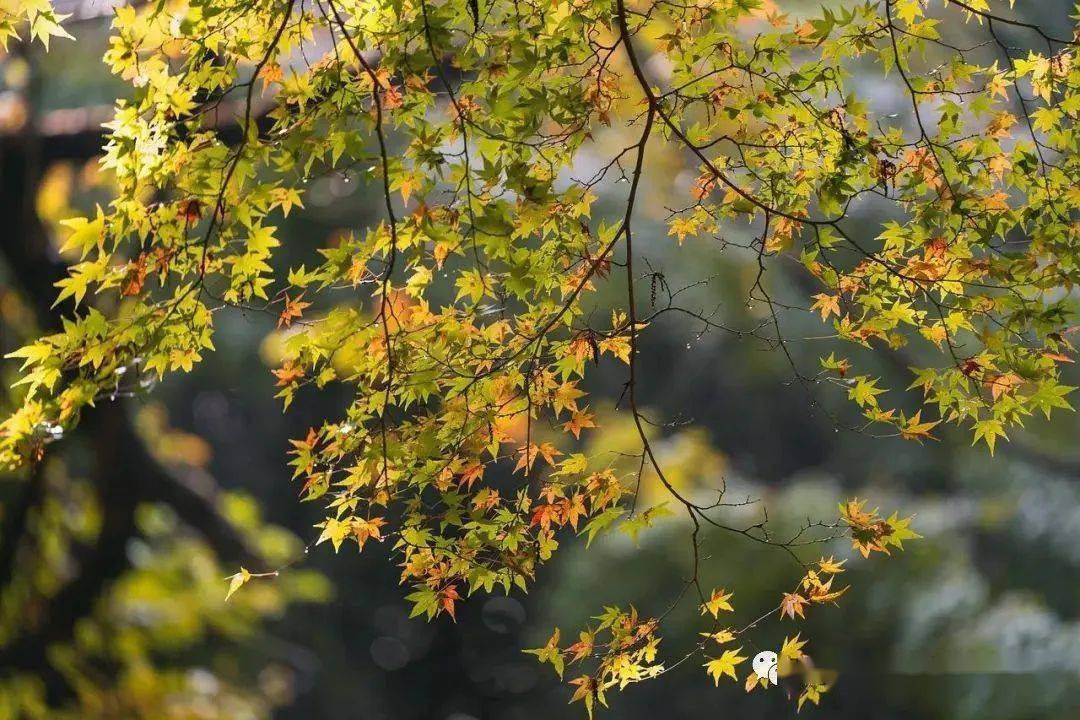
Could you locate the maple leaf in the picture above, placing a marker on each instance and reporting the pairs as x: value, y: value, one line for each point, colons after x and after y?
x: 682, y: 227
x: 550, y: 653
x: 314, y: 486
x: 753, y: 681
x: 865, y: 391
x: 565, y: 398
x: 438, y: 388
x: 183, y: 359
x: 782, y: 236
x: 288, y: 373
x: 717, y: 602
x: 485, y: 499
x: 724, y: 665
x: 293, y: 309
x: 269, y: 73
x: 310, y: 440
x: 853, y: 514
x: 471, y: 474
x: 447, y: 596
x: 543, y: 515
x: 824, y: 593
x: 704, y: 185
x: 826, y: 304
x: 997, y: 201
x: 916, y: 429
x: 583, y: 648
x: 1000, y: 124
x: 720, y: 636
x: 792, y: 648
x: 936, y: 334
x: 618, y: 346
x: 811, y: 692
x: 1002, y: 384
x: 391, y: 98
x: 440, y: 253
x: 578, y: 421
x: 46, y: 24
x: 334, y: 530
x: 988, y: 430
x: 527, y: 455
x: 831, y: 566
x: 407, y: 186
x: 998, y: 84
x: 191, y: 211
x: 999, y: 165
x: 575, y: 510
x: 899, y: 531
x: 237, y: 581
x: 135, y: 277
x: 792, y: 605
x: 365, y: 529
x: 601, y: 523
x: 588, y: 691
x: 552, y: 492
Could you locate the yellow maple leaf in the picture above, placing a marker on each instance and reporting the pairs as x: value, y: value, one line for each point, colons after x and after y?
x: 831, y: 566
x: 724, y: 665
x: 826, y: 304
x: 237, y: 581
x: 720, y: 636
x: 792, y: 648
x: 719, y: 601
x: 408, y: 185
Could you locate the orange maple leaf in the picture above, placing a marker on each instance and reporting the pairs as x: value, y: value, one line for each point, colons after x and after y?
x: 471, y: 474
x: 447, y: 596
x: 578, y: 422
x: 288, y: 373
x: 543, y: 515
x: 792, y: 605
x: 135, y: 277
x: 826, y: 304
x: 292, y: 310
x: 528, y: 454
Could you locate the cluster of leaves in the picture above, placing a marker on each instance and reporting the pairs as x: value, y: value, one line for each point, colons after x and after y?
x: 872, y: 533
x: 622, y: 646
x: 988, y: 241
x: 460, y: 323
x: 815, y: 588
x: 622, y: 649
x: 36, y: 19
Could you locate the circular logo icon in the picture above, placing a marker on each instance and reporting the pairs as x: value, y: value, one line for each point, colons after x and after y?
x: 765, y: 665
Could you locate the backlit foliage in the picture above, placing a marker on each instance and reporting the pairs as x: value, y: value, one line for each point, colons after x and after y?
x: 36, y: 19
x: 461, y: 321
x: 162, y: 641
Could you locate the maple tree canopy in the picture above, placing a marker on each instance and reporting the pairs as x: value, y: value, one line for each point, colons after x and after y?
x: 465, y: 319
